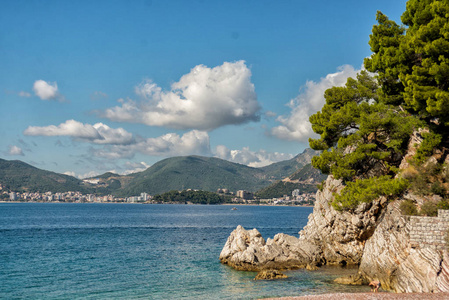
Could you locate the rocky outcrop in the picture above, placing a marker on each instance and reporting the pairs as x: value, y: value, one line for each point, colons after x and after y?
x: 269, y: 275
x: 340, y: 236
x: 375, y: 236
x: 247, y: 250
x: 330, y: 237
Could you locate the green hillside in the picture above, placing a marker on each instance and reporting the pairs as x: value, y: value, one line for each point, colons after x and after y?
x: 195, y: 172
x: 18, y: 176
x: 308, y: 173
x: 176, y: 173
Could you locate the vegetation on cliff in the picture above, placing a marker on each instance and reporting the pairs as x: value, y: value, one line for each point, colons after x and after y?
x: 365, y: 126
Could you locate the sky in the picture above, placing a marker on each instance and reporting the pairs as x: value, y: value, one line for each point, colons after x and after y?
x: 88, y: 87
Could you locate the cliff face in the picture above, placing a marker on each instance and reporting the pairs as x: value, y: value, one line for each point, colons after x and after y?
x: 340, y: 236
x: 376, y: 236
x: 330, y: 237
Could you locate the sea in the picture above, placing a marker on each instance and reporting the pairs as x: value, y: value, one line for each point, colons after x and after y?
x: 138, y: 251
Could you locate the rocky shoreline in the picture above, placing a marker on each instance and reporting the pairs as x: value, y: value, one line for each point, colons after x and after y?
x: 375, y: 237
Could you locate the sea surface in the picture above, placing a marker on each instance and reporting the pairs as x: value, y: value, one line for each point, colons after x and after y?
x: 135, y: 251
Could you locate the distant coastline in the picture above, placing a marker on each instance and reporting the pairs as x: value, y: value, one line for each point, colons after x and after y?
x: 171, y: 203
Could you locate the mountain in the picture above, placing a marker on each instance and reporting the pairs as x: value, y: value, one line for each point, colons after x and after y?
x: 282, y: 169
x: 16, y: 175
x: 176, y: 173
x: 305, y: 179
x: 195, y: 172
x: 207, y: 173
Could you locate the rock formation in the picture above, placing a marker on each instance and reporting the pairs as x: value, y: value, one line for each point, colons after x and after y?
x: 330, y: 237
x: 246, y: 250
x: 375, y: 236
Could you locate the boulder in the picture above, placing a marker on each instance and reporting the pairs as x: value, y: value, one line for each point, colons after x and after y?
x: 357, y: 279
x: 269, y: 275
x: 247, y: 250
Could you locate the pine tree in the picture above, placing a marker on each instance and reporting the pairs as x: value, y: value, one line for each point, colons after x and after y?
x: 366, y: 125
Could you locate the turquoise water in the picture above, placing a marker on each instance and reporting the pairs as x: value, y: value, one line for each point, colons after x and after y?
x: 129, y: 251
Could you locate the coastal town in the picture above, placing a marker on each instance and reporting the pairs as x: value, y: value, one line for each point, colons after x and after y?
x: 240, y: 197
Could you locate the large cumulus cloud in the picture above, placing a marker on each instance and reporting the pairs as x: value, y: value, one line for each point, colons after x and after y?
x: 296, y: 125
x: 204, y: 99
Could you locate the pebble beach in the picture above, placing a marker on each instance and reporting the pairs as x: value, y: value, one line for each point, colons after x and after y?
x: 370, y: 296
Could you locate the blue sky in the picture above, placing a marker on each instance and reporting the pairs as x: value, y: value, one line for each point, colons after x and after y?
x: 94, y: 86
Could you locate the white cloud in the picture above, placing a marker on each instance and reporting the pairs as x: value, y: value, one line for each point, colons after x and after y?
x: 296, y: 126
x: 47, y: 90
x: 134, y: 167
x: 14, y: 150
x: 171, y: 144
x: 24, y: 94
x: 204, y: 99
x: 250, y: 158
x: 98, y: 133
x: 89, y: 174
x: 82, y: 176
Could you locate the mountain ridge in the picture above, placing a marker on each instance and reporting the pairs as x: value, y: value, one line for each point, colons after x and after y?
x: 175, y: 173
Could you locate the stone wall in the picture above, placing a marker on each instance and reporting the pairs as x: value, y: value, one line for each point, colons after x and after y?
x: 429, y: 232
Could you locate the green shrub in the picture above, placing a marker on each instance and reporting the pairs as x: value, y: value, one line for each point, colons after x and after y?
x: 408, y: 208
x: 366, y: 190
x: 443, y: 204
x: 429, y: 208
x: 320, y: 186
x: 438, y: 189
x: 430, y: 141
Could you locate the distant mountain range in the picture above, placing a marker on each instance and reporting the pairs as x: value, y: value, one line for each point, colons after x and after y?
x: 176, y: 173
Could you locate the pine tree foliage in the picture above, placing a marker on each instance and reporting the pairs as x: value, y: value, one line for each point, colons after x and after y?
x: 366, y: 125
x: 413, y: 63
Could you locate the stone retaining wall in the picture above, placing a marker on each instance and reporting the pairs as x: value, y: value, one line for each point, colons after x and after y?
x: 429, y: 231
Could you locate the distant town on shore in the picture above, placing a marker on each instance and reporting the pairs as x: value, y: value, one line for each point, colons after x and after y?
x: 223, y: 195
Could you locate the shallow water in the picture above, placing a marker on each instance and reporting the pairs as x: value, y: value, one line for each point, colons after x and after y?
x: 130, y: 251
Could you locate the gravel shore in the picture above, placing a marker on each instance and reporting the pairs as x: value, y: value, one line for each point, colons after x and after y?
x: 369, y: 296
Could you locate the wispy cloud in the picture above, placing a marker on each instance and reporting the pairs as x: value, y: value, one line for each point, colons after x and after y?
x: 296, y: 126
x: 204, y: 99
x: 98, y: 95
x: 98, y: 133
x: 24, y: 94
